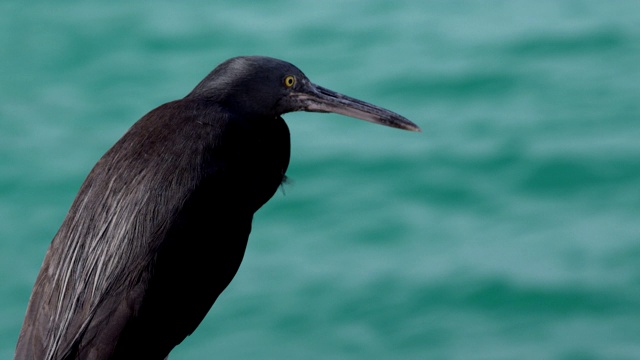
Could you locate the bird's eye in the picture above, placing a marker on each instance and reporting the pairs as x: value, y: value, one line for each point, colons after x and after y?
x: 289, y: 81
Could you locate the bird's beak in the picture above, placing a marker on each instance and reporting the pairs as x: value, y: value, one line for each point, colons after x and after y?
x: 318, y: 99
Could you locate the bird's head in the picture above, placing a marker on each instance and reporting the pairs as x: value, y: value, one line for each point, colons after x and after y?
x: 271, y: 87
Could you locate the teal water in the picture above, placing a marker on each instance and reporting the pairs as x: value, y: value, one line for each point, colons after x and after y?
x: 508, y: 229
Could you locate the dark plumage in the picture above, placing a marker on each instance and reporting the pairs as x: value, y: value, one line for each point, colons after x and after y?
x: 160, y: 225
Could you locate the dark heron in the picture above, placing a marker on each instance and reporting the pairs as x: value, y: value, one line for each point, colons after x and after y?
x: 160, y: 225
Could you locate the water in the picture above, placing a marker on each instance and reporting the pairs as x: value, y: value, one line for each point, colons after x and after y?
x: 507, y: 230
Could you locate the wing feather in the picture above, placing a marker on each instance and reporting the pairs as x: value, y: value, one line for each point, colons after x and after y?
x: 108, y: 239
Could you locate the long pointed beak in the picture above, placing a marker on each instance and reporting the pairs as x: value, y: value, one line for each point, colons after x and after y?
x: 318, y: 99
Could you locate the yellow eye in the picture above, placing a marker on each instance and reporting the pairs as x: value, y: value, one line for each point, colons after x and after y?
x: 289, y: 81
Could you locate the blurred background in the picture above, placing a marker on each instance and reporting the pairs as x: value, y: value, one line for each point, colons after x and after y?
x: 508, y: 229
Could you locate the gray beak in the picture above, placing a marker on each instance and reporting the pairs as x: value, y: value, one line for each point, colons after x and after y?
x: 318, y: 99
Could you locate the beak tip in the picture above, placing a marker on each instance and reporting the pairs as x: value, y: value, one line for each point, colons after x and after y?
x: 409, y: 126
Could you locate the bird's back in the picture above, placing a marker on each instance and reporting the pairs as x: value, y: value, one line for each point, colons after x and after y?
x: 156, y: 232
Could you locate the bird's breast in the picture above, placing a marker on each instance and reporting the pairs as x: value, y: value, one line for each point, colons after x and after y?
x: 263, y: 159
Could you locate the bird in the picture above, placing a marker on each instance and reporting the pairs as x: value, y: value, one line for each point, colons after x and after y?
x: 160, y: 225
